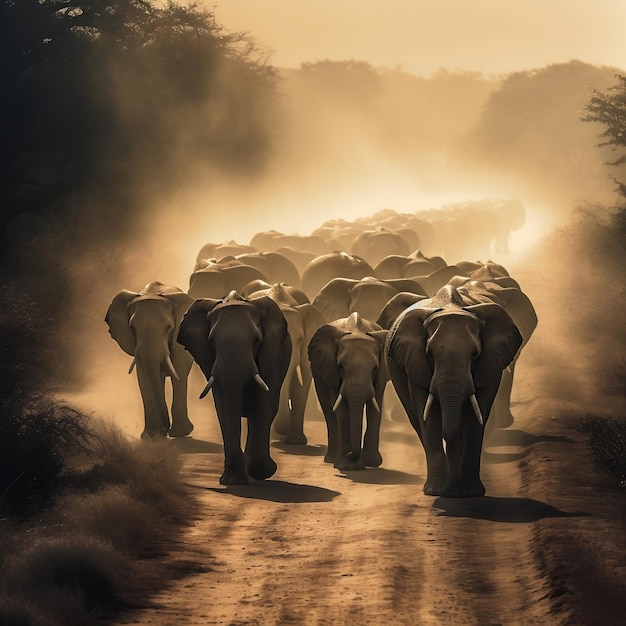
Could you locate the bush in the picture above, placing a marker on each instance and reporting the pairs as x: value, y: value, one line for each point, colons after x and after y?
x: 607, y: 440
x: 72, y: 580
x: 39, y: 437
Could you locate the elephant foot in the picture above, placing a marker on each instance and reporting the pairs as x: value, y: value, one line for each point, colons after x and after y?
x: 148, y: 435
x: 475, y: 489
x: 260, y: 469
x: 180, y: 428
x: 372, y: 459
x: 296, y: 439
x: 329, y: 458
x: 233, y: 478
x: 433, y: 487
x: 345, y: 464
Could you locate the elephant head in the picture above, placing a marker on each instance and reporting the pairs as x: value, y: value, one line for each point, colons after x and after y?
x: 145, y: 325
x: 243, y: 348
x: 446, y: 360
x: 347, y: 362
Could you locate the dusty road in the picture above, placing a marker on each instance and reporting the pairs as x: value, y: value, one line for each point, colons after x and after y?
x: 316, y: 546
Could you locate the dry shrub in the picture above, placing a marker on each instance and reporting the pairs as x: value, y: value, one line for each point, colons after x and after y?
x: 72, y: 580
x: 112, y: 514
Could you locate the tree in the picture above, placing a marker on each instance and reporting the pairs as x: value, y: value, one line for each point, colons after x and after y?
x: 609, y: 109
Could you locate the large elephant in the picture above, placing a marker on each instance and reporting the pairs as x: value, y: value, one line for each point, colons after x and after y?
x: 347, y: 361
x: 145, y: 325
x: 368, y: 296
x: 445, y: 360
x: 216, y: 279
x: 243, y: 348
x: 303, y: 319
x: 277, y: 267
x: 517, y: 304
x: 333, y: 265
x: 374, y: 245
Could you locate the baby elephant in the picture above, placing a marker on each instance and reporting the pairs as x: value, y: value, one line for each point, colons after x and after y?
x: 349, y: 372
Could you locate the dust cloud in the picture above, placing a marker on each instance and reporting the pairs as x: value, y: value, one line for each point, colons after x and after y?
x: 348, y: 140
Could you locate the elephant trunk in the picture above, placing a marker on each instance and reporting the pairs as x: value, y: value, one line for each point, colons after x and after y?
x: 356, y: 408
x: 452, y: 390
x: 451, y: 402
x: 357, y: 397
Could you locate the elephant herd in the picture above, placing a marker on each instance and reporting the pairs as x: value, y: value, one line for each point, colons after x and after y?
x: 346, y: 309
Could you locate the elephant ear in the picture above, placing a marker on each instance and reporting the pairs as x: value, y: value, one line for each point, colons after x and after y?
x: 118, y: 318
x: 276, y: 343
x: 406, y: 345
x: 181, y: 301
x: 323, y: 354
x: 501, y: 341
x: 518, y: 305
x: 193, y: 333
x: 400, y: 302
x: 333, y: 299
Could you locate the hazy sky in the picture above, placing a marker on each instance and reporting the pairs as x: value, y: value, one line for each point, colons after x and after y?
x: 489, y: 36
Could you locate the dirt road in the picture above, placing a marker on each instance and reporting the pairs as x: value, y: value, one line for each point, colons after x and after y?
x: 316, y: 546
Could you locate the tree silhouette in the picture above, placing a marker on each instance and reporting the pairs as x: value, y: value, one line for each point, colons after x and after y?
x: 609, y: 108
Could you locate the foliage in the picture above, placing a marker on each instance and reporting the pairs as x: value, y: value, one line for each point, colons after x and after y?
x: 39, y: 437
x: 530, y: 129
x: 609, y: 108
x: 93, y: 517
x: 118, y: 92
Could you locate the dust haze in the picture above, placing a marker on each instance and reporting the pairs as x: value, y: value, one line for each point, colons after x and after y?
x: 346, y: 140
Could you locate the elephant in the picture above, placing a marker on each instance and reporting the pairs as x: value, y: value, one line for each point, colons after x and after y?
x: 243, y: 349
x: 407, y: 265
x: 270, y: 241
x: 445, y: 360
x: 517, y: 304
x: 277, y: 267
x: 216, y: 279
x: 367, y: 296
x: 347, y: 361
x: 145, y: 325
x: 333, y: 265
x: 219, y: 250
x: 303, y: 319
x: 374, y: 245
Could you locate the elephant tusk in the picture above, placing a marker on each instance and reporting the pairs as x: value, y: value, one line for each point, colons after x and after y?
x: 429, y: 403
x: 208, y: 387
x: 337, y: 402
x: 170, y: 365
x: 479, y: 415
x: 299, y: 375
x: 260, y: 382
x: 132, y: 365
x: 375, y: 403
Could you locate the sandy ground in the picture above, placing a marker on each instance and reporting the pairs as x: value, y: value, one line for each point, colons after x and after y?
x: 316, y: 546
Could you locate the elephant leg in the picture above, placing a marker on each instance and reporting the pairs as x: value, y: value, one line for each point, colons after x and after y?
x: 298, y: 394
x: 181, y: 425
x: 500, y: 415
x: 280, y: 425
x: 326, y: 402
x: 344, y: 428
x: 259, y: 463
x: 371, y: 439
x: 229, y: 416
x: 152, y: 388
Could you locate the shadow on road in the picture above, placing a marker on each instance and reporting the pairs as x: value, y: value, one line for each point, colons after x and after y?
x: 512, y: 437
x: 278, y: 491
x: 510, y: 510
x: 382, y: 476
x: 188, y: 445
x: 299, y: 449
